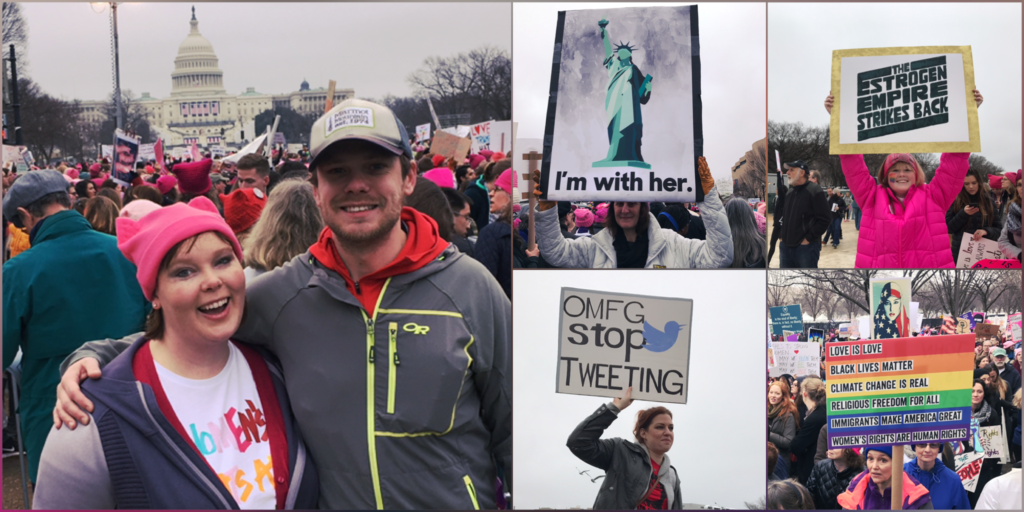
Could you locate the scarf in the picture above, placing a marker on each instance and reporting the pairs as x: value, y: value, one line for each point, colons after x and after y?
x: 1013, y: 219
x: 982, y: 414
x: 630, y: 255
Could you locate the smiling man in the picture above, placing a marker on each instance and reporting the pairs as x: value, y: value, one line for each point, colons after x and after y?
x: 395, y: 346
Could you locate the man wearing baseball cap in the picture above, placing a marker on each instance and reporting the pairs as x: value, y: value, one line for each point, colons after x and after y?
x: 395, y: 346
x: 805, y: 217
x: 1006, y: 371
x: 42, y: 291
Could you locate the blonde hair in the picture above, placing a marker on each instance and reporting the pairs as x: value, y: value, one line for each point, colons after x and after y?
x: 815, y: 390
x: 289, y: 225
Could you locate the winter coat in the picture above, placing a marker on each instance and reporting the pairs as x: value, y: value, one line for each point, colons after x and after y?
x: 494, y: 250
x: 45, y: 317
x: 911, y: 234
x: 805, y: 444
x: 862, y: 494
x: 480, y: 209
x: 821, y: 451
x: 826, y: 483
x: 434, y: 424
x: 627, y: 465
x: 782, y: 432
x: 666, y: 249
x: 805, y: 214
x: 1009, y: 243
x: 130, y: 456
x: 958, y: 223
x: 943, y: 485
x: 1012, y: 378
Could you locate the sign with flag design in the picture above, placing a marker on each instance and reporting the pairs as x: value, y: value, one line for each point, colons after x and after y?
x: 890, y: 306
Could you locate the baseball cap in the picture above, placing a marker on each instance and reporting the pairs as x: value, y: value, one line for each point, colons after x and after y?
x: 798, y: 164
x: 29, y: 188
x: 359, y: 120
x: 997, y: 352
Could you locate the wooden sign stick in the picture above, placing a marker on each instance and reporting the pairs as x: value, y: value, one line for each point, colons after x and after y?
x: 897, y: 478
x: 329, y: 104
x: 533, y: 157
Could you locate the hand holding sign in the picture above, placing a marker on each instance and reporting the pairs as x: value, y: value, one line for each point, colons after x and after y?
x: 542, y: 205
x: 622, y: 403
x: 977, y: 97
x: 829, y: 101
x: 707, y: 181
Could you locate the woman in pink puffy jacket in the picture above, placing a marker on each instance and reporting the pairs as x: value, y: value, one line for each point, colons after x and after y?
x: 904, y: 218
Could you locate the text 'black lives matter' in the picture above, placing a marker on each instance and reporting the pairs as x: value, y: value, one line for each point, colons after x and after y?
x: 902, y: 98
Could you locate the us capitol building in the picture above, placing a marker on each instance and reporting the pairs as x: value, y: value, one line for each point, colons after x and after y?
x: 200, y: 109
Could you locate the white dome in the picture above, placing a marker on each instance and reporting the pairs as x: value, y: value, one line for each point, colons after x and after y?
x: 196, y: 68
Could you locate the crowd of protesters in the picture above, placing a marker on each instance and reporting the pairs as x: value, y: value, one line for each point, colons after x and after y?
x: 355, y: 238
x: 803, y: 473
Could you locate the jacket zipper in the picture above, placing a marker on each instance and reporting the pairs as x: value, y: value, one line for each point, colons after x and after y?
x: 472, y: 491
x: 393, y: 362
x: 371, y: 434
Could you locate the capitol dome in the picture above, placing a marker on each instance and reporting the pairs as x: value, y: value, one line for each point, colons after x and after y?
x: 196, y: 69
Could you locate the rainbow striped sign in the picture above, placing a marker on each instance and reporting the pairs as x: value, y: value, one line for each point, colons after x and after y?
x: 899, y: 391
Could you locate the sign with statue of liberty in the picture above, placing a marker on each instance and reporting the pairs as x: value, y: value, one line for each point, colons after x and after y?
x: 609, y: 136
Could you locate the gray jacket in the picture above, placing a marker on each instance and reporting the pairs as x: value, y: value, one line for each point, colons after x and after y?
x: 667, y: 249
x: 1009, y: 244
x: 782, y: 432
x: 433, y: 424
x: 627, y: 465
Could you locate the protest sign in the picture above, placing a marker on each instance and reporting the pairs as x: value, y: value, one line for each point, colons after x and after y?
x: 177, y: 152
x: 786, y: 318
x: 963, y: 326
x: 899, y: 391
x: 849, y: 330
x: 903, y: 100
x: 279, y: 138
x: 106, y: 150
x: 147, y: 152
x: 771, y: 358
x: 1015, y: 326
x: 915, y: 317
x: 126, y: 153
x: 610, y: 341
x: 608, y: 136
x: 480, y: 136
x: 218, y: 151
x: 816, y: 335
x: 449, y: 146
x: 968, y: 466
x: 19, y: 155
x: 798, y: 359
x: 459, y: 131
x: 993, y: 442
x: 791, y: 336
x: 890, y: 301
x: 158, y: 152
x: 294, y: 147
x: 982, y: 331
x: 502, y: 135
x: 972, y: 252
x: 423, y: 132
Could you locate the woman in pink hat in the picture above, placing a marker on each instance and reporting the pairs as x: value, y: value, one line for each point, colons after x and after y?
x: 904, y: 216
x: 186, y: 418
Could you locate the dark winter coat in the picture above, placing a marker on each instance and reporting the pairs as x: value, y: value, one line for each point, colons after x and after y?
x: 959, y: 223
x: 826, y: 484
x: 782, y: 432
x: 805, y: 215
x: 805, y: 444
x: 494, y: 249
x: 480, y: 210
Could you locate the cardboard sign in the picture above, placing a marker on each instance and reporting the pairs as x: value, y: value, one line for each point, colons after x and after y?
x: 968, y: 466
x: 904, y: 100
x: 450, y: 146
x: 624, y: 110
x: 972, y: 252
x: 796, y: 358
x: 610, y: 341
x: 899, y: 391
x: 423, y: 132
x: 786, y: 318
x: 963, y: 326
x: 982, y: 331
x: 890, y: 305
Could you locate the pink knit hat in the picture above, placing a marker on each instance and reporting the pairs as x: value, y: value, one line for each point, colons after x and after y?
x: 601, y: 213
x: 73, y: 173
x: 497, y: 156
x: 194, y: 177
x: 506, y: 181
x: 486, y: 153
x: 442, y: 176
x: 139, y: 208
x: 166, y: 183
x: 146, y: 241
x: 475, y: 160
x: 584, y: 217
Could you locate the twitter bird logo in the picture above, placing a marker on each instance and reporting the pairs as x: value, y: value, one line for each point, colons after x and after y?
x: 658, y: 341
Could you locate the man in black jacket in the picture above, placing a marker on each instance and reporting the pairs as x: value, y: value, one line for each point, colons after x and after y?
x: 805, y: 218
x: 837, y: 206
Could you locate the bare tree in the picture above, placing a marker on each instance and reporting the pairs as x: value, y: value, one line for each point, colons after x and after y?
x: 135, y: 118
x: 478, y: 83
x: 1011, y: 300
x: 955, y: 290
x: 853, y: 285
x: 47, y: 122
x: 812, y: 300
x: 778, y: 290
x: 990, y: 285
x: 15, y: 31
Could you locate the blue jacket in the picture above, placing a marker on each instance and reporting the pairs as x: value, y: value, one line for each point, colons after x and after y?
x: 45, y: 316
x: 130, y: 456
x: 494, y: 250
x: 943, y: 484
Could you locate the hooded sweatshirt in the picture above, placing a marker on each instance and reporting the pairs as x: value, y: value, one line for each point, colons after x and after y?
x: 943, y: 485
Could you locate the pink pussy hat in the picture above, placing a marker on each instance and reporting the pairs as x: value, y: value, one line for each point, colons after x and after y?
x: 441, y: 176
x: 146, y: 241
x: 506, y: 181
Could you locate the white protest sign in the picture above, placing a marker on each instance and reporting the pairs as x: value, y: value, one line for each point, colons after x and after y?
x: 905, y: 100
x: 294, y: 148
x: 864, y: 326
x: 502, y: 135
x: 279, y: 138
x: 480, y: 134
x: 423, y: 132
x: 218, y: 151
x: 797, y: 358
x: 1015, y: 326
x: 778, y: 161
x: 968, y: 466
x: 915, y: 317
x: 178, y: 152
x: 972, y: 252
x: 146, y: 152
x: 107, y: 150
x: 993, y: 442
x: 610, y: 341
x: 459, y: 131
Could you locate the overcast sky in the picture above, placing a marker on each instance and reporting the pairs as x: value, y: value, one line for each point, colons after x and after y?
x: 801, y: 38
x: 371, y: 48
x: 720, y: 433
x: 732, y: 50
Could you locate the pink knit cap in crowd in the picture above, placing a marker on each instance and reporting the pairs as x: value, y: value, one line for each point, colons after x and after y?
x: 584, y: 217
x: 497, y: 156
x: 145, y: 242
x: 166, y: 183
x: 94, y: 170
x: 139, y: 208
x: 1013, y: 176
x: 506, y: 181
x: 194, y: 177
x: 73, y: 173
x: 242, y: 208
x: 486, y: 153
x: 442, y: 176
x: 475, y: 160
x: 601, y: 213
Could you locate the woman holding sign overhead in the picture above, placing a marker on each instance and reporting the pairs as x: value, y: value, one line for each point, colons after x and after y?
x: 638, y: 475
x: 904, y: 223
